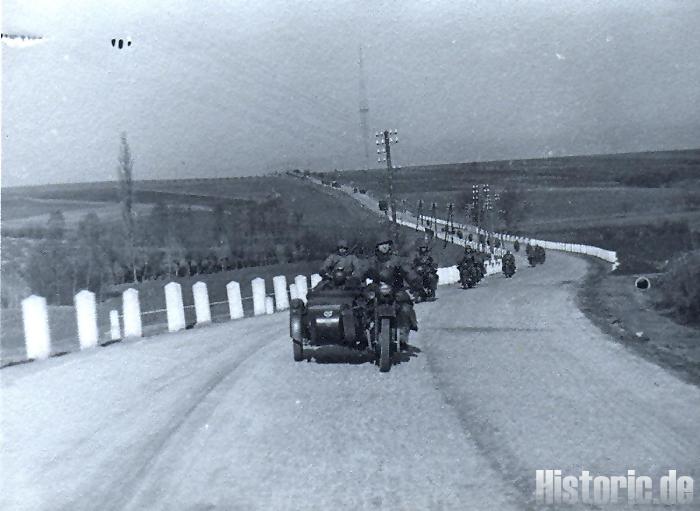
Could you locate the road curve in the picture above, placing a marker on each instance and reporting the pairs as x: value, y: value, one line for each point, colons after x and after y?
x: 501, y: 380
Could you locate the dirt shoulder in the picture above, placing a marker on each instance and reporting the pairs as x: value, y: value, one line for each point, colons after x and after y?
x: 628, y: 315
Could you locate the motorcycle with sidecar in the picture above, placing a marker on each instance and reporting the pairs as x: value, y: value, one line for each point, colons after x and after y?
x: 340, y: 311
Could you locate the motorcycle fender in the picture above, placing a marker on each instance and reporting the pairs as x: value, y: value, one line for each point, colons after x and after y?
x: 296, y: 328
x: 348, y: 323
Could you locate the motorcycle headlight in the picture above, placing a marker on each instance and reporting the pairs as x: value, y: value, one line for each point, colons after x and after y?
x: 385, y: 289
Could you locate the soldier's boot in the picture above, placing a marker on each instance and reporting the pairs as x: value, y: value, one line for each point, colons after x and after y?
x: 413, y: 319
x: 403, y: 337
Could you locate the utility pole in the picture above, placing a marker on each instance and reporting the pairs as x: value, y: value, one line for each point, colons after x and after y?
x: 419, y: 219
x: 385, y: 139
x: 486, y: 205
x: 449, y: 223
x: 474, y: 213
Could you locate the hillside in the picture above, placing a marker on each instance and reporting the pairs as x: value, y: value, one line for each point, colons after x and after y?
x: 645, y: 205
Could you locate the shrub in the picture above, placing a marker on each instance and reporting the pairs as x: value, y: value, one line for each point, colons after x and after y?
x: 680, y: 287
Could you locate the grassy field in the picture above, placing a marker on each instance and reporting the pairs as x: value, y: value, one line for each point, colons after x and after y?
x: 36, y: 203
x: 631, y: 316
x: 610, y: 201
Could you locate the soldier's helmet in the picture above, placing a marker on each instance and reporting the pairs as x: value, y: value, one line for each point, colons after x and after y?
x: 384, y: 246
x: 339, y: 275
x: 422, y: 245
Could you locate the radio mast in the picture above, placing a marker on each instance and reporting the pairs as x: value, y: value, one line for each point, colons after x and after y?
x: 364, y: 112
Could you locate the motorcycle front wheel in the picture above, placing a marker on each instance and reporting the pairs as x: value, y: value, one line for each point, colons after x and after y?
x: 385, y: 345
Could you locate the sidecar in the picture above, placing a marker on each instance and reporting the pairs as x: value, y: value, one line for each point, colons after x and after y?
x: 330, y: 316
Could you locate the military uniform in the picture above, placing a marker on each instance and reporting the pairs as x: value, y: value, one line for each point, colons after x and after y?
x: 508, y: 262
x: 349, y: 262
x: 430, y: 272
x: 398, y: 274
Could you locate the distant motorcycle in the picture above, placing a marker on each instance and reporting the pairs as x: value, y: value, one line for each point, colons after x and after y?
x: 429, y: 279
x: 508, y: 268
x: 469, y: 275
x: 535, y: 254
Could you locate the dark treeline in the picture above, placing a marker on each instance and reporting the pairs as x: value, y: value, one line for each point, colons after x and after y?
x: 169, y: 241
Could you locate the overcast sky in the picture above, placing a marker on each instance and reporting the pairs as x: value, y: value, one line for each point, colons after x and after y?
x: 225, y: 88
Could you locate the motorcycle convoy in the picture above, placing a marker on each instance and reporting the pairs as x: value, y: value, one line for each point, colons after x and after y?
x: 367, y: 305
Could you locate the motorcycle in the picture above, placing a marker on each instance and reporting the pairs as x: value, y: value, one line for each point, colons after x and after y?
x: 426, y: 291
x: 364, y: 319
x: 384, y: 338
x: 469, y: 275
x: 508, y: 269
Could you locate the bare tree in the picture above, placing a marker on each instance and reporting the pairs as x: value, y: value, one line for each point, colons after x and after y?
x: 126, y: 188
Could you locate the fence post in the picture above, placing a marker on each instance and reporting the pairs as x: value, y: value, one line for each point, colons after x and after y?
x: 269, y: 305
x: 115, y: 331
x: 302, y: 286
x: 258, y: 286
x: 315, y: 279
x: 293, y: 294
x: 86, y: 317
x: 174, y: 307
x: 235, y: 304
x: 37, y: 336
x: 281, y: 299
x: 201, y: 303
x: 131, y: 311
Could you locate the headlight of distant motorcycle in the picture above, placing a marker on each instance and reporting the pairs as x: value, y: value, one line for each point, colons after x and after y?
x: 385, y: 289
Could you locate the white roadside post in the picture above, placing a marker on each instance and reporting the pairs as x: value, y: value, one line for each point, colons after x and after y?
x: 201, y: 303
x: 131, y: 311
x: 258, y: 285
x: 174, y: 307
x: 37, y: 337
x: 302, y: 286
x: 269, y: 305
x: 315, y: 279
x: 293, y: 293
x: 235, y: 304
x: 454, y: 274
x: 280, y: 285
x: 86, y: 317
x: 115, y: 331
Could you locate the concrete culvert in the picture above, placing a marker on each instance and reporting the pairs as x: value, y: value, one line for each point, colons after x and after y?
x: 642, y: 283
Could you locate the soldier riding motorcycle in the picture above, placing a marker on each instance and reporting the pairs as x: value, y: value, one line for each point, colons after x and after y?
x: 469, y: 269
x: 508, y: 265
x: 391, y: 279
x: 426, y: 269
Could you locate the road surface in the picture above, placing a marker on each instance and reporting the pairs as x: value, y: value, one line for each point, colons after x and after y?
x: 502, y: 380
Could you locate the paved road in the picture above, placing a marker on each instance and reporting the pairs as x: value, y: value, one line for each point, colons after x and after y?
x: 502, y: 379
